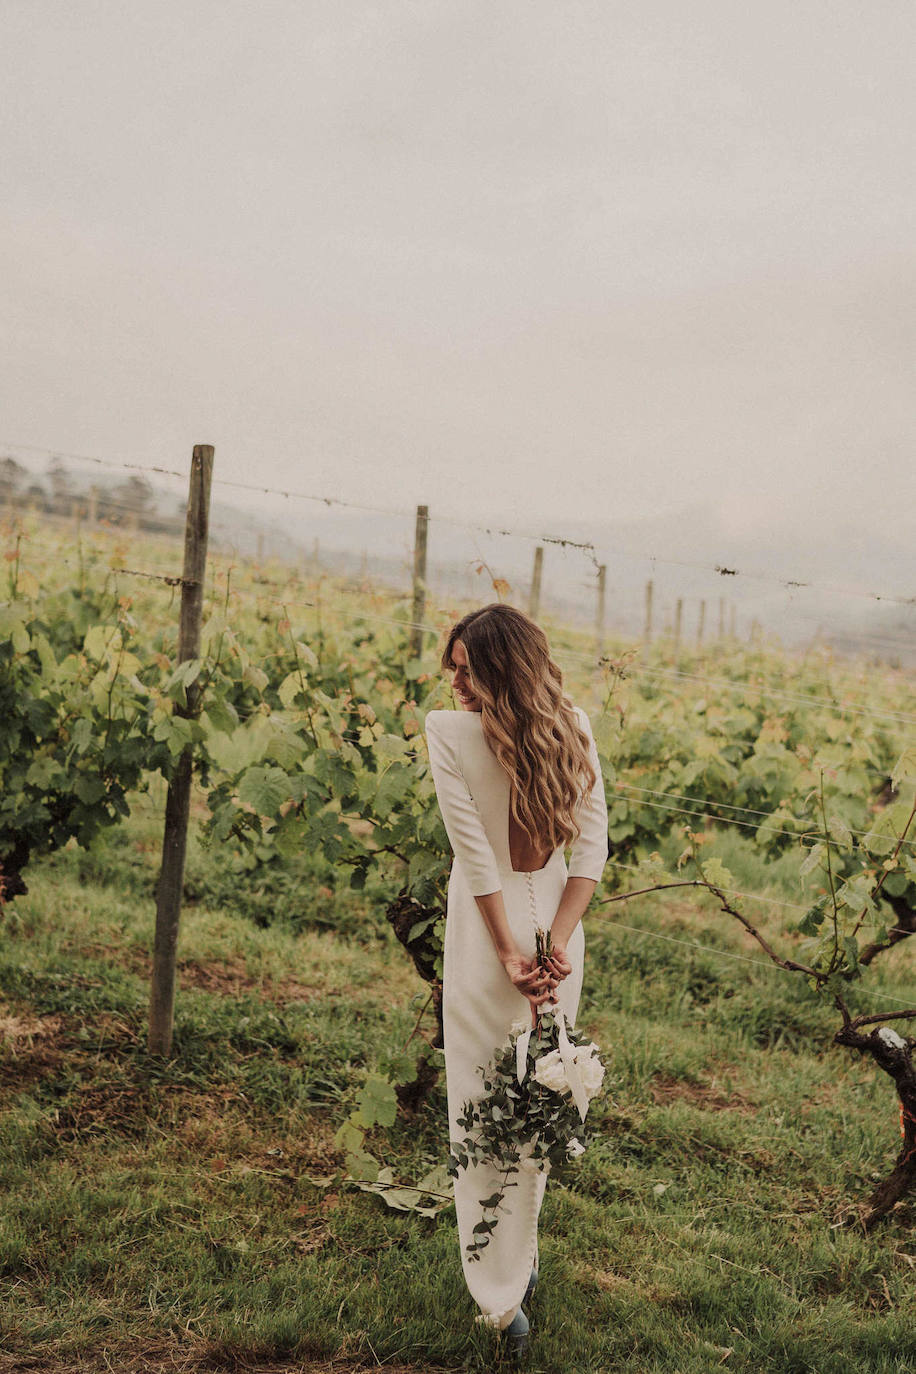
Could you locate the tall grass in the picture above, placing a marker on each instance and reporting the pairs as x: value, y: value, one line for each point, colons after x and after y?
x: 197, y: 1208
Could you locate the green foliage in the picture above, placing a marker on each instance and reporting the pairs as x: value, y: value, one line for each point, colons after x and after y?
x: 307, y: 741
x: 73, y: 729
x: 527, y: 1124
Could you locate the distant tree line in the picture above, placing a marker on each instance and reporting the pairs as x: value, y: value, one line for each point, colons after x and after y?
x: 130, y: 502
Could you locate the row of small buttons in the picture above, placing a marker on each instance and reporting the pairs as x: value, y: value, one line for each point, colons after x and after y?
x: 532, y: 900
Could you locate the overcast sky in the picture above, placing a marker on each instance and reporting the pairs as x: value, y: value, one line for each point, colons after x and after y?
x: 523, y: 261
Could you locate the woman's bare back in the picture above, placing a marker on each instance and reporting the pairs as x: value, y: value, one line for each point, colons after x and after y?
x: 523, y: 855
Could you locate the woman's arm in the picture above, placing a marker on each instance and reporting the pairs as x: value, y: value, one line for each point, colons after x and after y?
x: 589, y: 851
x: 576, y: 896
x: 586, y: 861
x: 460, y: 815
x: 473, y: 851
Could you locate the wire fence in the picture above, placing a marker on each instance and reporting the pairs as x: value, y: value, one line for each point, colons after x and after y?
x: 746, y: 689
x: 669, y: 802
x: 742, y: 689
x: 698, y: 947
x: 718, y: 568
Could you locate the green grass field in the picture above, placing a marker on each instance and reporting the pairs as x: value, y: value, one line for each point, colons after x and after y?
x: 193, y: 1215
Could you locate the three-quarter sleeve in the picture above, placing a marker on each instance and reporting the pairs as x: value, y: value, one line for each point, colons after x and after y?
x: 463, y: 824
x: 590, y: 849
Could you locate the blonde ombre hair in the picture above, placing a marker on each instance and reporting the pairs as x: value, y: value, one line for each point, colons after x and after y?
x: 528, y: 720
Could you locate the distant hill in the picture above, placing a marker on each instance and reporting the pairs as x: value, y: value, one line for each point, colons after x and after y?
x: 864, y: 600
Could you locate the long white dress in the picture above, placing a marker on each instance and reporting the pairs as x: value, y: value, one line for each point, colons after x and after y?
x: 480, y: 1004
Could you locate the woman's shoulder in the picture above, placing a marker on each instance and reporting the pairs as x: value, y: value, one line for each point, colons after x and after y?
x: 450, y: 720
x: 583, y: 717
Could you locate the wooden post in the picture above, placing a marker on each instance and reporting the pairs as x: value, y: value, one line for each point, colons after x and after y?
x: 731, y: 620
x: 599, y: 613
x: 721, y: 617
x: 534, y: 595
x: 647, y: 633
x: 678, y: 613
x: 419, y: 581
x: 701, y: 623
x: 178, y: 800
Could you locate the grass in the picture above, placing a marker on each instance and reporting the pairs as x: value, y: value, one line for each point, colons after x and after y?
x: 192, y: 1214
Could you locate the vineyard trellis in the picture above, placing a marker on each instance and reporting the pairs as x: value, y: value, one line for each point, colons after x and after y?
x: 585, y: 546
x: 299, y: 754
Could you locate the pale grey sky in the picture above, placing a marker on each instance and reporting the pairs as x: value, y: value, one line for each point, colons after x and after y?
x: 523, y: 261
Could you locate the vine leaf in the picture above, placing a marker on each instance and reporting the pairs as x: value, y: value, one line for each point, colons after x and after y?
x: 378, y: 1103
x: 264, y: 789
x: 435, y: 1187
x: 715, y: 872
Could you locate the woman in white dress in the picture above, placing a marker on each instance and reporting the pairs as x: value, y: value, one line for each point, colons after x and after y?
x: 518, y: 780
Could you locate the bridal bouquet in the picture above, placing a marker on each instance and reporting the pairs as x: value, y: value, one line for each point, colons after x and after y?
x: 537, y: 1089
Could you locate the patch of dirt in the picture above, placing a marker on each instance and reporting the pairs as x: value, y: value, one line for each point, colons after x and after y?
x: 164, y: 1359
x: 19, y: 1031
x: 31, y: 1046
x: 664, y: 1089
x: 227, y: 976
x: 98, y: 1110
x: 610, y: 1282
x: 231, y: 978
x: 824, y: 1096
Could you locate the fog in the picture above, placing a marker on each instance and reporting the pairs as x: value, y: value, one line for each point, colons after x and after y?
x: 646, y: 269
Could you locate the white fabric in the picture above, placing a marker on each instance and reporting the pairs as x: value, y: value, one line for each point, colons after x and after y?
x: 479, y: 1002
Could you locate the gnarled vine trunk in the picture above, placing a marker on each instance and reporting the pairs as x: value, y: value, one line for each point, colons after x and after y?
x: 894, y: 1054
x: 404, y: 914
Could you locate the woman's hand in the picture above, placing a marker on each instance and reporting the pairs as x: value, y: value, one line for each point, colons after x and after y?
x: 558, y: 967
x: 526, y: 975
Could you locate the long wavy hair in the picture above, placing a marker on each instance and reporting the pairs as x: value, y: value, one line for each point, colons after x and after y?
x: 528, y: 720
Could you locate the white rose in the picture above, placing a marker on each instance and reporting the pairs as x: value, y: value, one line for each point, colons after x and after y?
x: 591, y: 1070
x: 550, y: 1073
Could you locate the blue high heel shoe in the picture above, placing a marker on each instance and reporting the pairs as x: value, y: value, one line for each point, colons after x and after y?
x: 516, y: 1334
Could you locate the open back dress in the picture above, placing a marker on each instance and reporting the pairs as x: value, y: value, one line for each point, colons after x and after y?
x: 480, y: 1004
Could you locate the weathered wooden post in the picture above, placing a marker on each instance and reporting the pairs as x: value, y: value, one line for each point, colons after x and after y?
x: 678, y: 613
x: 178, y: 799
x: 701, y: 623
x: 599, y: 612
x: 534, y: 596
x: 419, y: 581
x: 647, y: 632
x: 721, y: 617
